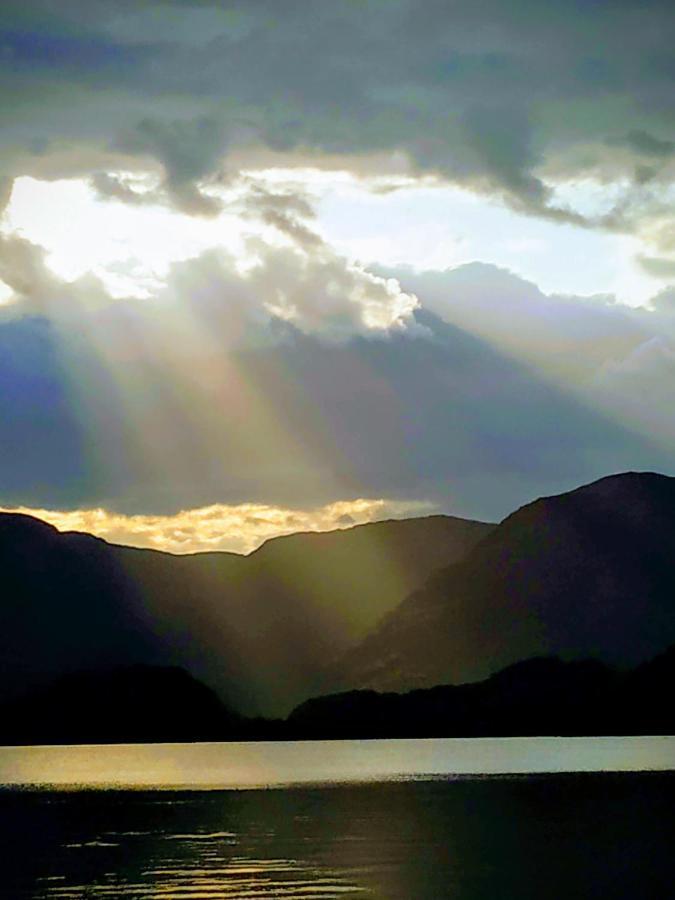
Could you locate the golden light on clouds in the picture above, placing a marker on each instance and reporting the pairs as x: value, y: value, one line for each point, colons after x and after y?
x: 239, y: 528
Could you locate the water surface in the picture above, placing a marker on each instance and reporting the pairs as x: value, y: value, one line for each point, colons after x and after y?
x: 401, y: 820
x: 559, y: 837
x: 264, y: 764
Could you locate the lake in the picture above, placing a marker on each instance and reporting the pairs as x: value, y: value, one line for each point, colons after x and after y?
x: 400, y: 819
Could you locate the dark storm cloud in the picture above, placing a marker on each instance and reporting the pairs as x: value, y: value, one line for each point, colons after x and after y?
x: 647, y: 144
x: 502, y: 98
x: 188, y: 150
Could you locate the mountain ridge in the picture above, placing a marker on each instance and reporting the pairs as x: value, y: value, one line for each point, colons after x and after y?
x: 444, y: 517
x: 256, y: 627
x: 584, y: 573
x: 520, y: 591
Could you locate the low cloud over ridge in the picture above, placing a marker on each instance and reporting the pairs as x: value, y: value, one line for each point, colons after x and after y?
x: 238, y: 529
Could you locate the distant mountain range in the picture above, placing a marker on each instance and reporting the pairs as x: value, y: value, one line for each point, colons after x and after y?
x: 390, y: 606
x: 259, y: 629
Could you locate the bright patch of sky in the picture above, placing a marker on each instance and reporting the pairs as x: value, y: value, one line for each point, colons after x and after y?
x: 131, y: 247
x: 443, y: 227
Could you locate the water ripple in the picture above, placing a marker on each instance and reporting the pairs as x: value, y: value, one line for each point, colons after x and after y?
x: 241, y: 878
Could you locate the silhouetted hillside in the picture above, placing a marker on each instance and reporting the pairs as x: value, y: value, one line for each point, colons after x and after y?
x: 131, y: 704
x: 258, y: 629
x: 541, y: 696
x: 590, y: 573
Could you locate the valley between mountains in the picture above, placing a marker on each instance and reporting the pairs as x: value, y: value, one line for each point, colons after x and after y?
x: 557, y: 620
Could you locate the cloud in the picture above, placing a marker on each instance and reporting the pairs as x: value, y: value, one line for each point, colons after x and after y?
x: 508, y: 100
x: 288, y: 376
x: 646, y: 144
x: 502, y: 140
x: 565, y: 337
x: 292, y: 378
x: 188, y: 149
x: 324, y: 293
x: 305, y: 282
x: 657, y: 266
x: 287, y: 211
x: 238, y: 529
x: 114, y: 411
x: 614, y: 358
x: 110, y: 186
x: 640, y: 387
x: 293, y: 276
x: 664, y: 301
x: 36, y: 290
x: 5, y: 192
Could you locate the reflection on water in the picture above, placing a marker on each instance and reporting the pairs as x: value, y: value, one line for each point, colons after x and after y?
x: 266, y: 764
x: 563, y: 836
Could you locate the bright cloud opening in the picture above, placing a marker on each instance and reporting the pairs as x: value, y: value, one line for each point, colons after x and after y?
x: 238, y: 529
x: 129, y: 247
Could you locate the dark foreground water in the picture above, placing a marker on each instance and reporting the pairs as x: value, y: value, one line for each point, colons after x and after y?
x: 559, y: 836
x: 421, y: 828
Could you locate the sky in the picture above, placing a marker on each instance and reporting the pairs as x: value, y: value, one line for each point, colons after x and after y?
x: 273, y: 266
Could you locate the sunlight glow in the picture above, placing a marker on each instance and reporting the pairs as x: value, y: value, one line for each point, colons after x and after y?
x: 129, y: 247
x: 238, y: 529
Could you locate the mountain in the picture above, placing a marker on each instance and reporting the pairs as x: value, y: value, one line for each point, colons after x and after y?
x: 128, y: 704
x: 589, y: 573
x: 258, y: 629
x: 541, y: 696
